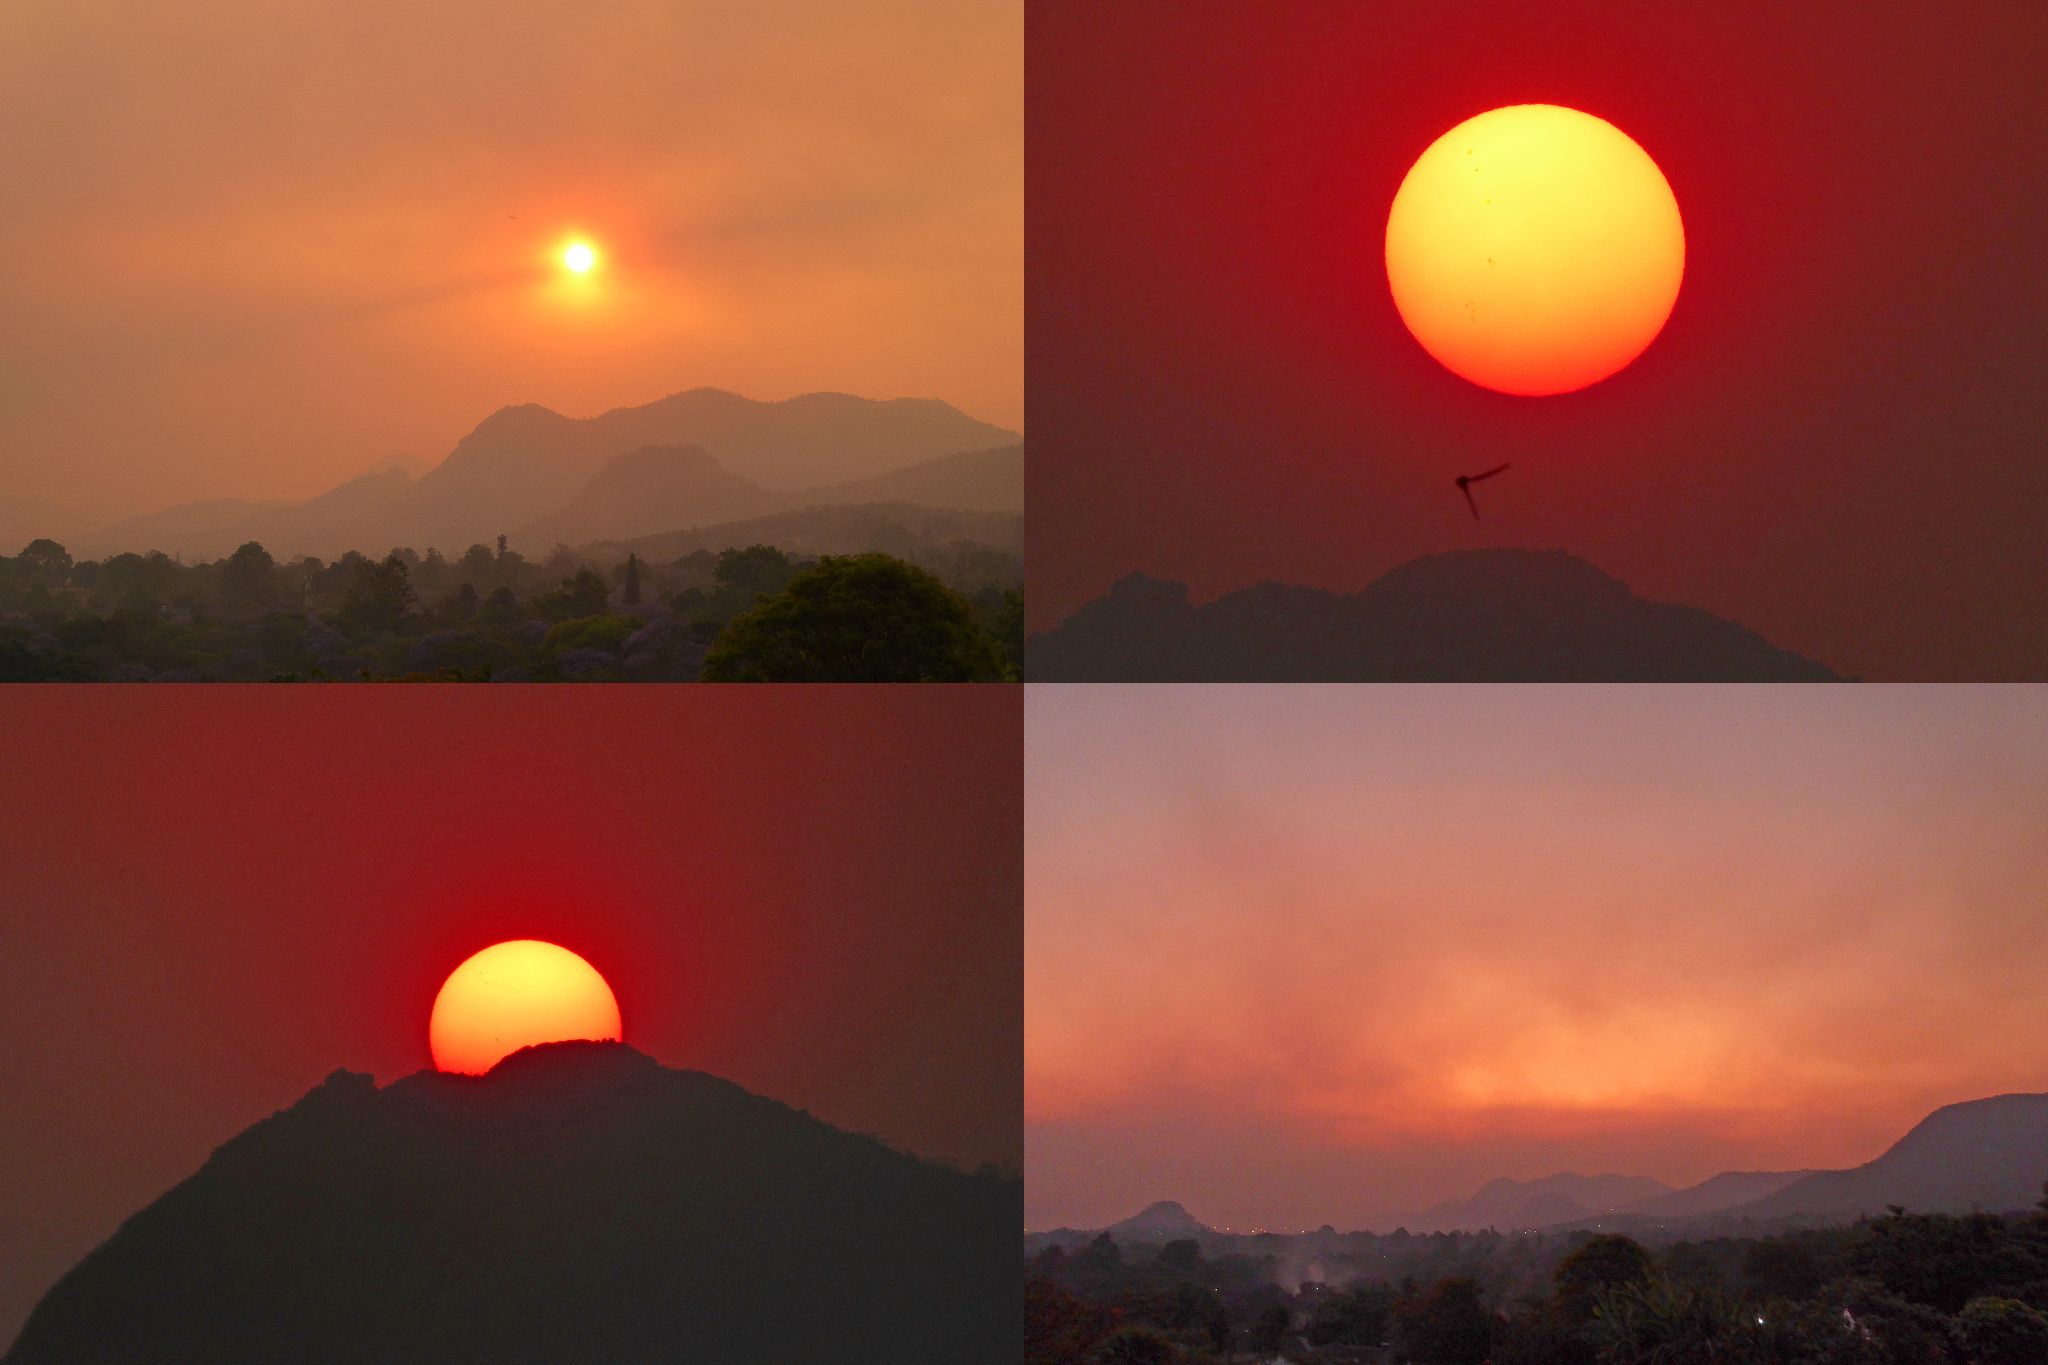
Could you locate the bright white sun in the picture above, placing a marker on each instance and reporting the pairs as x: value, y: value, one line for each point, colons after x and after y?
x: 579, y: 257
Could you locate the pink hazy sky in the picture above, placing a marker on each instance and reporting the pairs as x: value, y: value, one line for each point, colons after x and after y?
x: 1297, y: 955
x: 252, y: 249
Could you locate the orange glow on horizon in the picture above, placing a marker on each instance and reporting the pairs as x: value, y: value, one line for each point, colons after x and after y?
x: 514, y: 995
x: 1535, y: 249
x: 1341, y: 957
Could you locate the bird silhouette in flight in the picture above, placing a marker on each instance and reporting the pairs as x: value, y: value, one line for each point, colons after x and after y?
x: 1465, y: 482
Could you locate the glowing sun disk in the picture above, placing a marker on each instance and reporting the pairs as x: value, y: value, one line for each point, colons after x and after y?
x: 1534, y: 249
x: 514, y: 995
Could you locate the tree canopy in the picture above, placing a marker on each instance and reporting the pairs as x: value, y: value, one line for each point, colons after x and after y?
x: 858, y: 618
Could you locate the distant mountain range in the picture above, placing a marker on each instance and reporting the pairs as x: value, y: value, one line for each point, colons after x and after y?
x: 1463, y: 616
x: 690, y: 460
x: 1989, y: 1155
x: 1160, y: 1222
x: 580, y: 1202
x: 1519, y: 1204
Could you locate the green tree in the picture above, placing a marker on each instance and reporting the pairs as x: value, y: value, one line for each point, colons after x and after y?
x: 585, y: 594
x: 1539, y: 1336
x: 608, y: 633
x: 1008, y: 628
x: 1180, y: 1258
x: 1602, y: 1265
x: 501, y: 608
x: 755, y: 572
x: 1653, y: 1321
x: 858, y: 618
x: 1939, y: 1260
x: 458, y: 606
x: 1269, y: 1329
x: 1136, y: 1345
x: 1445, y: 1324
x: 1781, y: 1268
x: 1059, y: 1328
x: 378, y: 597
x: 248, y: 578
x: 46, y: 560
x: 1356, y: 1317
x: 2001, y: 1331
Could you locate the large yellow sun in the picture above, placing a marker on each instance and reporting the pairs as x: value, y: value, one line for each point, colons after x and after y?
x: 1535, y: 249
x: 513, y: 995
x: 579, y: 257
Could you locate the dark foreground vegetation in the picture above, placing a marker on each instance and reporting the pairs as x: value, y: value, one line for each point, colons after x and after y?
x: 1904, y: 1289
x: 752, y: 614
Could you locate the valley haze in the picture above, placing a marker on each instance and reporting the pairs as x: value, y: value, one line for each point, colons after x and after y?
x: 696, y: 458
x: 1988, y: 1155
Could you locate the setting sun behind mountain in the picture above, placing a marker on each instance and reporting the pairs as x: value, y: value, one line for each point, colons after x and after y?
x: 514, y: 995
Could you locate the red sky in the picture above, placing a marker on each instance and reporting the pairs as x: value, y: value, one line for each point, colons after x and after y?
x: 215, y: 896
x: 1836, y: 441
x: 252, y: 249
x: 1297, y: 955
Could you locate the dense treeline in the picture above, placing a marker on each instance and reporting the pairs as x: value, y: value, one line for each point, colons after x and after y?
x: 756, y: 613
x: 1904, y: 1289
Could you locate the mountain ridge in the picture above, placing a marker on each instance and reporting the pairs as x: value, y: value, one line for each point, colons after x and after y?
x: 647, y: 490
x: 2006, y: 1134
x: 579, y: 1201
x: 1519, y: 1205
x: 525, y: 464
x: 1983, y: 1155
x: 1500, y: 615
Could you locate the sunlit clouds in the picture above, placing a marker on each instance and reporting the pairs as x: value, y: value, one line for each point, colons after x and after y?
x: 1437, y: 935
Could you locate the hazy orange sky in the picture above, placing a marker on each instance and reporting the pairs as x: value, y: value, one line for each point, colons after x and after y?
x: 1298, y: 955
x: 252, y: 249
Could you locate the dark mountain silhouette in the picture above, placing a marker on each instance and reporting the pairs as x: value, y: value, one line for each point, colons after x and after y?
x: 412, y: 466
x: 211, y: 522
x: 524, y: 464
x: 1519, y: 1205
x: 1158, y: 1223
x: 1727, y: 1190
x: 581, y: 1202
x: 801, y: 442
x: 1464, y: 616
x: 644, y: 493
x: 1989, y: 1155
x: 654, y: 488
x: 363, y: 501
x: 1164, y: 1221
x: 972, y: 481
